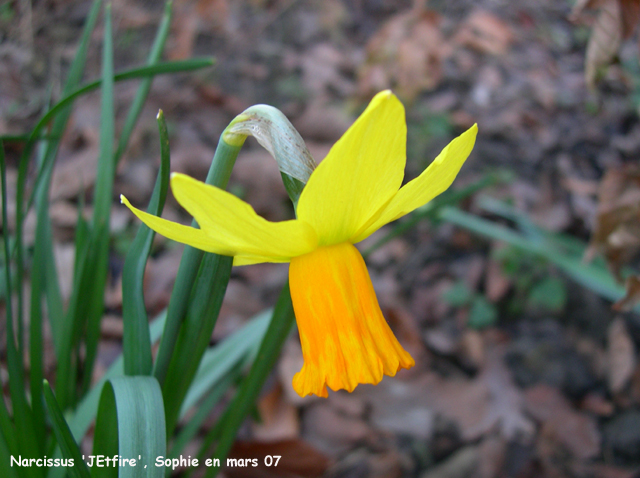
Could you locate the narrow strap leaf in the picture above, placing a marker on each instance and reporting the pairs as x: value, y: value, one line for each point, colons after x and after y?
x: 45, y: 168
x: 6, y: 470
x: 593, y: 276
x: 277, y: 332
x: 219, y: 173
x: 81, y: 419
x: 136, y: 341
x: 27, y: 442
x: 131, y: 424
x: 145, y: 85
x: 135, y: 73
x: 96, y: 269
x: 195, y: 333
x: 68, y: 445
x: 191, y: 428
x: 220, y: 360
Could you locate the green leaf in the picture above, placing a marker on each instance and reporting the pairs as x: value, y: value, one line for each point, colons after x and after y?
x: 482, y: 313
x: 25, y: 432
x: 195, y: 332
x: 219, y: 173
x: 7, y: 429
x: 145, y: 84
x: 219, y: 361
x: 65, y: 439
x: 594, y: 276
x: 6, y: 469
x: 194, y: 424
x: 458, y: 295
x: 135, y: 73
x: 136, y: 341
x: 94, y: 275
x: 550, y: 293
x: 84, y: 414
x: 131, y: 424
x: 279, y: 328
x: 42, y: 255
x: 71, y: 327
x: 46, y: 165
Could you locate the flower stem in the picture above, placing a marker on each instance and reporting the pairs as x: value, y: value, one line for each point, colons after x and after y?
x: 219, y: 173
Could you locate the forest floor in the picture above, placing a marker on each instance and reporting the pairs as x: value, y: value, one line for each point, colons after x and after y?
x: 520, y: 371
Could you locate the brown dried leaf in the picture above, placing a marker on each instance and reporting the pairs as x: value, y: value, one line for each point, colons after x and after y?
x: 279, y: 419
x: 331, y: 431
x: 621, y: 355
x: 597, y: 405
x: 491, y: 400
x: 407, y: 331
x: 581, y: 5
x: 77, y: 173
x: 405, y: 54
x: 486, y: 33
x: 461, y: 464
x: 497, y: 284
x: 192, y: 17
x: 617, y: 229
x: 630, y: 16
x: 632, y: 297
x: 576, y: 431
x: 298, y: 458
x: 605, y: 40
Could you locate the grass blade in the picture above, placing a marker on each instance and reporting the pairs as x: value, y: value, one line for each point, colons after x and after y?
x: 25, y: 433
x: 36, y: 346
x: 195, y: 332
x: 55, y: 309
x: 64, y: 437
x: 219, y: 173
x: 7, y: 430
x: 38, y: 277
x: 220, y: 360
x: 191, y: 428
x: 145, y: 84
x: 96, y: 271
x: 71, y: 327
x: 593, y: 276
x: 6, y: 470
x: 136, y: 341
x: 277, y: 332
x: 75, y: 74
x: 130, y: 423
x: 135, y: 73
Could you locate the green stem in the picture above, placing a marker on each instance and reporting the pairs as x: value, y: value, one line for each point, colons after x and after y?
x: 219, y: 174
x: 278, y: 331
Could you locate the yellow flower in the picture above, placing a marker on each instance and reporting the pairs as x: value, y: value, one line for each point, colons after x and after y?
x: 352, y: 193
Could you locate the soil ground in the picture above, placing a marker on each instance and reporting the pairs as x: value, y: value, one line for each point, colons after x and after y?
x: 520, y: 372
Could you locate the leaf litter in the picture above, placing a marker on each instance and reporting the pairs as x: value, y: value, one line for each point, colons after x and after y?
x: 540, y: 391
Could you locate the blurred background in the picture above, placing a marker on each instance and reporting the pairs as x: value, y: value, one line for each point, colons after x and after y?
x: 523, y: 367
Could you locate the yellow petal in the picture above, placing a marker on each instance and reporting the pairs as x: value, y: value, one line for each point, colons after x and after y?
x: 177, y: 232
x: 245, y: 260
x: 232, y: 222
x: 363, y: 170
x: 229, y: 226
x: 433, y: 181
x: 345, y: 339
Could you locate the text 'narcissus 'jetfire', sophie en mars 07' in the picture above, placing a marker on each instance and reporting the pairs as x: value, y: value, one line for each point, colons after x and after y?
x: 352, y: 193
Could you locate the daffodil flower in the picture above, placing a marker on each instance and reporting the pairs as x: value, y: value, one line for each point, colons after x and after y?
x: 352, y: 193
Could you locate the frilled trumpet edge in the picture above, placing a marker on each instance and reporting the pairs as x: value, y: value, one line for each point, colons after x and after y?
x: 345, y: 338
